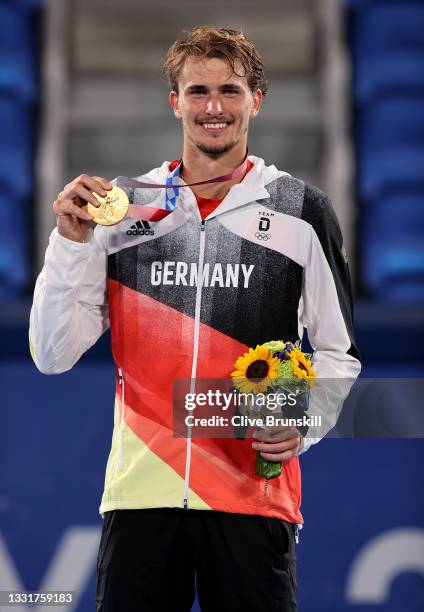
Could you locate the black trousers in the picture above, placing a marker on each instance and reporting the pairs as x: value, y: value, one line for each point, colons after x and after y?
x: 153, y: 560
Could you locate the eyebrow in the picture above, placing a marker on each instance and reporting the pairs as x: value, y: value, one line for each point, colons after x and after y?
x: 224, y: 87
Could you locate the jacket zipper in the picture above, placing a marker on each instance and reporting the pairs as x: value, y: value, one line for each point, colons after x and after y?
x: 121, y: 421
x: 195, y: 352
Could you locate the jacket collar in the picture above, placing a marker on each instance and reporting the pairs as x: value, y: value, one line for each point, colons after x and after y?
x: 250, y: 189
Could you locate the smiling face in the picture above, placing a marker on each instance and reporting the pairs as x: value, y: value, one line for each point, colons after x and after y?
x: 215, y: 106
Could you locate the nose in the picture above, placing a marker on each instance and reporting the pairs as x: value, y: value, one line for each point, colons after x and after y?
x: 213, y: 105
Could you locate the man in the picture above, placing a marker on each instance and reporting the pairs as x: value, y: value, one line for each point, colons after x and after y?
x: 269, y: 252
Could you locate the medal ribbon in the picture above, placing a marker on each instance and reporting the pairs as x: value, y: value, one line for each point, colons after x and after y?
x: 172, y: 186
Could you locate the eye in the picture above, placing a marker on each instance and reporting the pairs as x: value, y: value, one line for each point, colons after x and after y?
x: 231, y: 92
x: 197, y: 93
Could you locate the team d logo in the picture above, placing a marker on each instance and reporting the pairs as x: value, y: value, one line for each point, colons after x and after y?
x: 263, y: 227
x: 264, y: 224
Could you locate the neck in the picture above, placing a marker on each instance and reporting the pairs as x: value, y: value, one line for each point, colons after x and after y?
x: 197, y: 166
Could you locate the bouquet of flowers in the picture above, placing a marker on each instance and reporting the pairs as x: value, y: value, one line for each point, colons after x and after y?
x: 272, y: 366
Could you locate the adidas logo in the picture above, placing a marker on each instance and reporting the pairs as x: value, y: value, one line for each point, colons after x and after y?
x: 141, y: 228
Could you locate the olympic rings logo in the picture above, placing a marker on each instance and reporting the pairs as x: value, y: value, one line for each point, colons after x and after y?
x: 262, y: 236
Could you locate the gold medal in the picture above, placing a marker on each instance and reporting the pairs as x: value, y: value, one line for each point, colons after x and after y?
x: 113, y: 207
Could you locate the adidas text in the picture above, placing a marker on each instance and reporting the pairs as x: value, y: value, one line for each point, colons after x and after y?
x: 141, y: 228
x: 140, y: 232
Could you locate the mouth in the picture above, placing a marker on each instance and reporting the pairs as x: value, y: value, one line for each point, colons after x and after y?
x: 215, y: 127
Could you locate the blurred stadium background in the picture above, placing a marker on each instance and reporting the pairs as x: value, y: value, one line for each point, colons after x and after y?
x: 81, y: 91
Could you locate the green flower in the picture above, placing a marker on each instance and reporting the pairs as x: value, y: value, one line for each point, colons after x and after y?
x: 274, y: 345
x: 285, y: 378
x: 285, y: 370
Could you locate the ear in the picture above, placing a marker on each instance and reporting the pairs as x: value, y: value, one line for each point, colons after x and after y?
x: 257, y: 102
x: 173, y: 101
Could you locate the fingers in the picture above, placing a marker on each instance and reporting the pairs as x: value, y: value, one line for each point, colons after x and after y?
x: 276, y: 447
x: 72, y: 217
x: 275, y: 433
x: 98, y: 184
x: 87, y: 184
x: 278, y: 451
x: 281, y: 457
x: 103, y: 182
x: 86, y: 195
x: 62, y: 208
x: 79, y: 192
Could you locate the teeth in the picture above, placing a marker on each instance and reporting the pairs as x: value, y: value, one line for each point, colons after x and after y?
x: 214, y: 126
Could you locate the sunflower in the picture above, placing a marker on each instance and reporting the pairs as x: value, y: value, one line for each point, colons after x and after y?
x: 301, y: 365
x: 255, y: 370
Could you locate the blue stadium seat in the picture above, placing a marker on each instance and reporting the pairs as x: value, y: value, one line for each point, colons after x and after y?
x: 18, y: 69
x: 381, y: 171
x: 14, y: 243
x: 18, y: 91
x: 398, y: 213
x: 396, y: 274
x: 388, y: 47
x: 22, y: 4
x: 401, y: 289
x: 392, y: 253
x: 384, y: 26
x: 393, y: 120
x: 390, y: 136
x: 393, y: 72
x: 387, y: 38
x: 16, y: 144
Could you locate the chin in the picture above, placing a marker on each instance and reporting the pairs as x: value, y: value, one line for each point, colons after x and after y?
x: 215, y: 151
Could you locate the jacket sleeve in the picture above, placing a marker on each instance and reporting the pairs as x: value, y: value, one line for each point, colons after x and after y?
x: 69, y: 311
x: 327, y: 313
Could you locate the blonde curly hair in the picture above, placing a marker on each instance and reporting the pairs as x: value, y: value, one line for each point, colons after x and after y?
x: 210, y: 41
